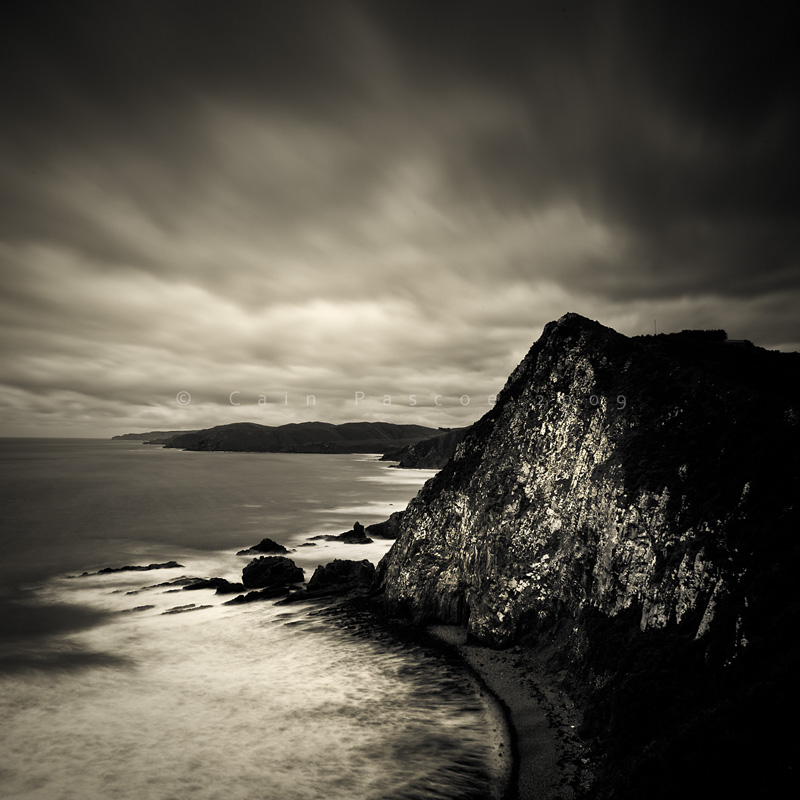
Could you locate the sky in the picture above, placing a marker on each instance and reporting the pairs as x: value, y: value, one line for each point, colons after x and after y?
x: 369, y: 210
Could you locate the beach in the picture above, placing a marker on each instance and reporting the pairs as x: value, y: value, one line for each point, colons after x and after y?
x: 550, y: 760
x: 538, y: 752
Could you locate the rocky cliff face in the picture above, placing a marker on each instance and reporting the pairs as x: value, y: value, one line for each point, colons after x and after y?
x: 431, y: 453
x: 622, y: 491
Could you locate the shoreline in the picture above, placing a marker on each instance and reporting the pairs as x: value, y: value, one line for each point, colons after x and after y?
x: 362, y: 615
x: 537, y: 752
x: 551, y: 762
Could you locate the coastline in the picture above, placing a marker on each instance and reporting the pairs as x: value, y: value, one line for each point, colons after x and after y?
x: 537, y: 753
x: 551, y: 762
x: 363, y: 616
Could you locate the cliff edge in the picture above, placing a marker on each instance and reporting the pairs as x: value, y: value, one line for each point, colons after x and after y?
x: 630, y: 505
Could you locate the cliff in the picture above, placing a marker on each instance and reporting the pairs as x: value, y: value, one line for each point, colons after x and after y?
x: 431, y: 453
x: 629, y: 506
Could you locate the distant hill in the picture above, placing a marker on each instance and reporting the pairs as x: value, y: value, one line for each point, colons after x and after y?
x: 149, y: 436
x: 301, y: 437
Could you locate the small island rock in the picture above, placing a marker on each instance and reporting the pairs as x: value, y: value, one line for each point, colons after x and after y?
x: 271, y: 571
x: 340, y: 572
x: 264, y: 546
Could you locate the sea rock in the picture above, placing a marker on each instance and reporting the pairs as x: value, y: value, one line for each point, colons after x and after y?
x: 388, y: 529
x: 271, y: 571
x: 263, y: 594
x: 222, y: 585
x: 264, y: 546
x: 109, y: 570
x: 136, y: 608
x: 184, y: 609
x: 229, y: 588
x: 340, y: 572
x: 182, y: 581
x: 355, y: 536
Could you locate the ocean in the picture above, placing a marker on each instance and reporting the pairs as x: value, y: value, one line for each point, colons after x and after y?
x: 103, y: 695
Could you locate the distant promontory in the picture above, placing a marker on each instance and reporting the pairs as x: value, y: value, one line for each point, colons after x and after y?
x: 151, y: 437
x: 301, y: 437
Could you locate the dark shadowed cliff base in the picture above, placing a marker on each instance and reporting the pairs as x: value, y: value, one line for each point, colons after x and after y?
x: 627, y: 515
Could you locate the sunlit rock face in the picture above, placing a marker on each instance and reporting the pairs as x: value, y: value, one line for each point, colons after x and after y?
x: 654, y: 475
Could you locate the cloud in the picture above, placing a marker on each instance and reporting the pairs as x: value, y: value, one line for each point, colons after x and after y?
x: 377, y: 197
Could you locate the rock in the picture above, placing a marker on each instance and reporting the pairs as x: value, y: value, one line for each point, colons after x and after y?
x: 210, y: 583
x: 183, y: 581
x: 389, y: 529
x: 336, y: 578
x: 631, y: 504
x: 583, y: 488
x: 262, y: 594
x: 264, y: 546
x: 271, y: 571
x: 431, y: 453
x: 109, y: 570
x: 184, y: 609
x: 340, y: 572
x: 355, y: 536
x: 229, y: 588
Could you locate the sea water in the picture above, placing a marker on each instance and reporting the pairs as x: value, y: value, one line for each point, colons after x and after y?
x: 104, y: 695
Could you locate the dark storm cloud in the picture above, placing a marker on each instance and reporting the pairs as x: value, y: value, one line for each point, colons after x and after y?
x: 674, y: 126
x: 386, y: 197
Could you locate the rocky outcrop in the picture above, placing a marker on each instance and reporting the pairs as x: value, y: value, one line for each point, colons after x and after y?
x: 431, y: 453
x: 631, y: 504
x: 184, y: 609
x: 271, y: 571
x: 264, y: 546
x: 269, y: 593
x: 388, y: 529
x: 220, y: 585
x: 357, y: 535
x: 135, y: 568
x: 341, y: 573
x: 337, y: 578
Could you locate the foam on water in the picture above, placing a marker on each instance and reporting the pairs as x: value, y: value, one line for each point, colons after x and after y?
x: 111, y: 697
x: 241, y: 702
